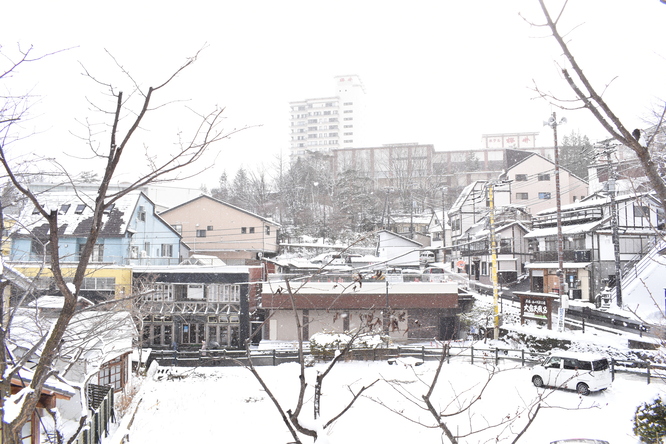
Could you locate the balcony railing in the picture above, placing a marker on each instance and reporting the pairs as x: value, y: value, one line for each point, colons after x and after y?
x: 568, y: 256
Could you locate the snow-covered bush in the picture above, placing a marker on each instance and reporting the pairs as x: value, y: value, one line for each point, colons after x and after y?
x: 326, y: 344
x: 650, y: 421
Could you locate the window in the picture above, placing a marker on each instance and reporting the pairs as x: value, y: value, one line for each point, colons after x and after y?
x: 97, y: 253
x: 543, y: 176
x: 178, y: 228
x: 522, y: 196
x: 64, y: 208
x: 268, y: 230
x: 348, y: 103
x: 544, y: 195
x: 113, y: 373
x: 631, y: 245
x: 223, y: 293
x: 251, y: 229
x: 521, y: 177
x: 38, y: 250
x: 209, y: 228
x: 201, y: 233
x: 243, y: 230
x: 166, y: 250
x: 347, y: 111
x: 641, y: 211
x: 80, y: 208
x: 99, y: 283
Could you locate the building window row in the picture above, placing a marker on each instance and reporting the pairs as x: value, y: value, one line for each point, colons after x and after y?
x: 163, y: 292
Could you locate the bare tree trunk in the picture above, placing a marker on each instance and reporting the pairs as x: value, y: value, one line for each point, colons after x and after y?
x: 205, y: 135
x: 595, y: 103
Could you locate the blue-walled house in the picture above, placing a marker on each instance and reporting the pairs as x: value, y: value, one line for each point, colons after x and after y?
x: 132, y: 233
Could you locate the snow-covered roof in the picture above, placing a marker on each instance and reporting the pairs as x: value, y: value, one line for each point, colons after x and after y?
x: 597, y: 200
x: 566, y: 229
x: 93, y: 337
x: 75, y: 214
x: 369, y: 288
x: 203, y: 196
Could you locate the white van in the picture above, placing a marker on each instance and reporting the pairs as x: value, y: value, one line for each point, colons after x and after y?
x: 427, y: 257
x: 583, y: 372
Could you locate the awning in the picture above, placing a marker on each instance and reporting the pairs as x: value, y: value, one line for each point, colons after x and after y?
x: 555, y: 265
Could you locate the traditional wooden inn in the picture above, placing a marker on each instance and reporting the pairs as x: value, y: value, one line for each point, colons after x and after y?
x: 187, y: 306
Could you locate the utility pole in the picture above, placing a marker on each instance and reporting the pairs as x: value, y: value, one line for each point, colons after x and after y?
x: 553, y: 123
x: 612, y: 177
x: 493, y: 256
x: 443, y: 226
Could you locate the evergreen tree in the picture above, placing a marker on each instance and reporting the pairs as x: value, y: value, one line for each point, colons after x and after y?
x: 222, y: 191
x: 576, y: 154
x: 650, y: 422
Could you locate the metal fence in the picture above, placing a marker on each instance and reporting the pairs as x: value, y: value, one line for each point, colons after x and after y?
x: 473, y: 352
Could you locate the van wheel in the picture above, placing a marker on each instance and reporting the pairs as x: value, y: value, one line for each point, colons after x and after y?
x: 537, y: 381
x: 582, y: 389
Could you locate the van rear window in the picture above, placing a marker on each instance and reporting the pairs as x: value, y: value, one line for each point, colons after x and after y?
x: 601, y: 364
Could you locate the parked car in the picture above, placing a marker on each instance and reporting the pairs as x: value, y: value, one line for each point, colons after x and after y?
x: 434, y: 274
x: 583, y: 372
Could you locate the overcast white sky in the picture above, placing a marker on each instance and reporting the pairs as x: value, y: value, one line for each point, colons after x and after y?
x: 439, y: 72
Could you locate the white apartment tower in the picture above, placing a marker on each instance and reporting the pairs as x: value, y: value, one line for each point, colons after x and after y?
x: 319, y: 125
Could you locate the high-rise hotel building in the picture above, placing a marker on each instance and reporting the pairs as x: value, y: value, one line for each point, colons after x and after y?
x: 322, y: 124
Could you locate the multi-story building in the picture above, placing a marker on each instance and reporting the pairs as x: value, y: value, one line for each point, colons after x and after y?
x: 190, y: 305
x: 321, y: 124
x: 587, y: 242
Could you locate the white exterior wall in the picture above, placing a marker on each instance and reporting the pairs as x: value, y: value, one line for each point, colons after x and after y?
x: 283, y: 328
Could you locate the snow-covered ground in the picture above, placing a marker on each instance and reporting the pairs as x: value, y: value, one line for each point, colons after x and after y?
x: 228, y: 405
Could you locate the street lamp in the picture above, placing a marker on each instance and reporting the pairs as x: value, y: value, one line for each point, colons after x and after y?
x: 553, y: 123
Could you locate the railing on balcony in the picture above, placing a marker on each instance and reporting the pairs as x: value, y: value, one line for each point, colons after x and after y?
x: 191, y: 307
x: 568, y: 218
x: 568, y: 256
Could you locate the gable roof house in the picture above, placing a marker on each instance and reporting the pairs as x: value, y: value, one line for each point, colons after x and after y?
x: 588, y: 248
x: 398, y: 251
x: 532, y: 179
x: 212, y: 227
x: 439, y: 229
x: 132, y: 232
x: 511, y: 247
x: 471, y: 208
